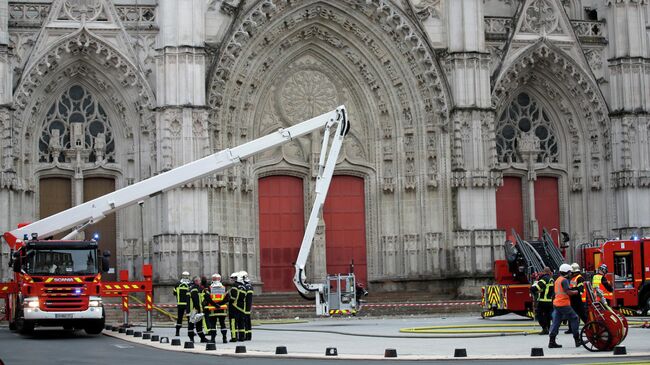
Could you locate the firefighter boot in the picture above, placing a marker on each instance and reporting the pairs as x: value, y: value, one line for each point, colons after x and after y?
x: 178, y: 331
x: 223, y: 334
x: 191, y: 335
x: 578, y: 341
x: 203, y: 338
x: 552, y: 344
x: 249, y: 336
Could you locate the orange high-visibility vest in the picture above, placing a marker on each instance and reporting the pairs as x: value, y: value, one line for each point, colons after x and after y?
x: 575, y: 285
x: 561, y: 297
x: 597, y: 283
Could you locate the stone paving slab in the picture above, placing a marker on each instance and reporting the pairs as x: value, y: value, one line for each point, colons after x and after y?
x: 364, y: 338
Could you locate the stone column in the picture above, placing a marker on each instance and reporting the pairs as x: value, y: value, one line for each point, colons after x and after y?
x: 182, y: 137
x: 7, y: 171
x: 629, y: 67
x: 474, y: 154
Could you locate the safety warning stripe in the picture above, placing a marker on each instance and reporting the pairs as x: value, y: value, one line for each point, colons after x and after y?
x: 121, y: 286
x: 298, y: 306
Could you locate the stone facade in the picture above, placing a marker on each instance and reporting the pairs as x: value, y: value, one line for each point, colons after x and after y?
x: 436, y: 90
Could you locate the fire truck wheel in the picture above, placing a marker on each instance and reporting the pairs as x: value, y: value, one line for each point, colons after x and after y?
x: 95, y: 327
x: 645, y: 302
x: 25, y: 327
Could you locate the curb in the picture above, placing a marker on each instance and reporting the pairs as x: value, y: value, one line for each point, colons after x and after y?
x: 230, y: 352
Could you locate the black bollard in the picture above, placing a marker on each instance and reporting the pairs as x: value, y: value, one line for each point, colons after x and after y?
x: 281, y: 350
x: 188, y: 345
x: 390, y: 353
x: 163, y: 339
x: 155, y: 338
x: 146, y: 336
x: 460, y: 353
x: 129, y: 332
x: 331, y: 351
x: 108, y: 327
x: 537, y: 351
x: 240, y: 349
x: 210, y: 346
x: 121, y: 330
x: 620, y: 350
x: 137, y: 334
x: 176, y: 342
x: 115, y: 328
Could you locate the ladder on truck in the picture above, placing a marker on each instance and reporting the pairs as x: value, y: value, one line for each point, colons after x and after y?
x: 334, y: 124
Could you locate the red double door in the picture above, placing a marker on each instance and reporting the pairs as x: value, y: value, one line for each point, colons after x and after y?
x: 510, y: 204
x: 282, y: 222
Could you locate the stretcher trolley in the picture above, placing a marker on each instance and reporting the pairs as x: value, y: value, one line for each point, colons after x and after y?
x: 606, y: 327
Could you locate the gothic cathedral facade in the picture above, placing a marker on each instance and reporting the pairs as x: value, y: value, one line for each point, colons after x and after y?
x: 470, y: 118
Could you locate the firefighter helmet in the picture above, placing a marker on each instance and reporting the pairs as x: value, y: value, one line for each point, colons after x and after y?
x: 216, y: 277
x: 603, y: 268
x: 565, y: 268
x: 185, y: 275
x: 575, y: 267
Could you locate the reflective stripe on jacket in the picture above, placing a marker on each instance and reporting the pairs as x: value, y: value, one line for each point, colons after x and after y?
x: 180, y: 291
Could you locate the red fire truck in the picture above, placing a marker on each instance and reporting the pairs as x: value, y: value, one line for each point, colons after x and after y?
x: 57, y: 282
x: 628, y: 263
x: 629, y: 272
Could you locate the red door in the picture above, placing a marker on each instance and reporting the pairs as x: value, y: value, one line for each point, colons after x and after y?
x: 345, y: 221
x: 281, y: 230
x: 510, y: 213
x: 547, y: 204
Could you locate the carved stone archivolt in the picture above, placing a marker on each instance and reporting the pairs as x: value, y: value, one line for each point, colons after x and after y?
x: 288, y: 61
x: 581, y: 89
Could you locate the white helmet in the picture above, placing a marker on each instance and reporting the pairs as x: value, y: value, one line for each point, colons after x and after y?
x: 216, y: 277
x: 575, y: 267
x: 185, y: 275
x: 565, y: 268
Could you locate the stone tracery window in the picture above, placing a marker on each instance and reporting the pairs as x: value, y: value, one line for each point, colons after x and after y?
x: 523, y: 116
x: 76, y: 125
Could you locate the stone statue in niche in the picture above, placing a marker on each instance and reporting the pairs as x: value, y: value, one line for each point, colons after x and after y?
x: 100, y: 146
x: 55, y: 144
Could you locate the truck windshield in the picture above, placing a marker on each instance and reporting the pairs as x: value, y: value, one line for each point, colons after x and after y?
x: 68, y: 261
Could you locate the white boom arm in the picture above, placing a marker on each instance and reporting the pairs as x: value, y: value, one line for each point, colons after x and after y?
x: 96, y: 209
x: 325, y: 171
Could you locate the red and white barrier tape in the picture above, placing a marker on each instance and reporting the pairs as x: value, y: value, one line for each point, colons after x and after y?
x: 300, y: 306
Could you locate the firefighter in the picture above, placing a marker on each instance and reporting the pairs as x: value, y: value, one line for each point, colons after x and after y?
x: 236, y: 300
x: 180, y: 292
x: 248, y: 306
x: 562, y: 308
x: 600, y: 284
x: 578, y: 301
x: 217, y: 310
x: 542, y: 291
x: 195, y: 296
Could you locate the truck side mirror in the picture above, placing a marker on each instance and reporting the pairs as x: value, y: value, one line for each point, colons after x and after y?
x: 105, y: 263
x: 565, y: 237
x: 16, y: 261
